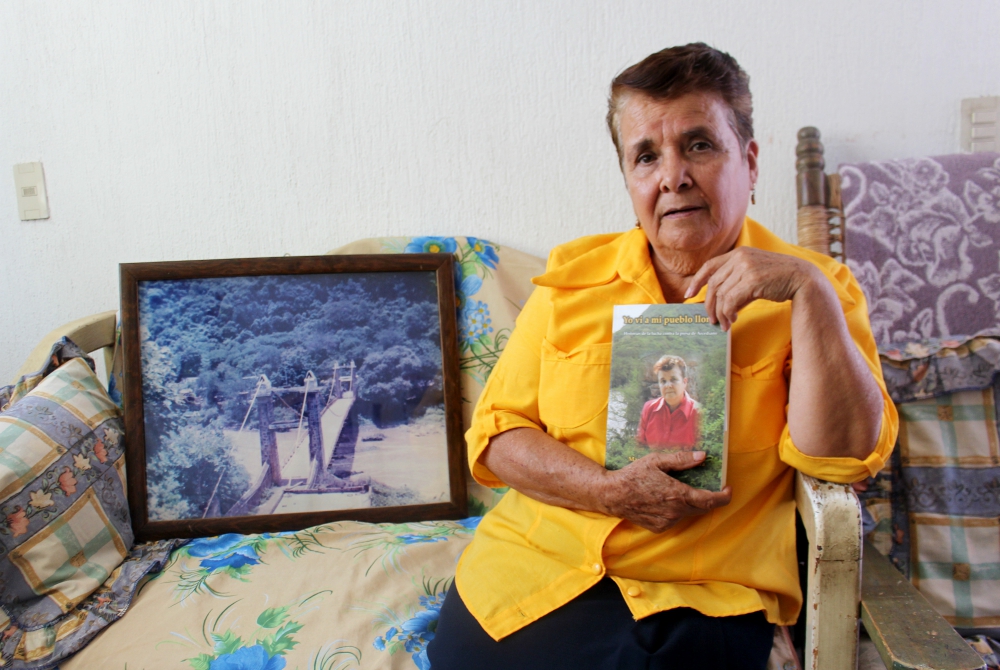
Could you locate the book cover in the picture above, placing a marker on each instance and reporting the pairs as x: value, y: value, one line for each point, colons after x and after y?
x: 669, y: 389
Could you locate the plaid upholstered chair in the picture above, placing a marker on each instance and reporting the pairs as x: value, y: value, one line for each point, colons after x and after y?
x: 922, y: 238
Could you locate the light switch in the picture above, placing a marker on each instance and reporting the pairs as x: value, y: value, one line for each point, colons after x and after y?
x: 32, y: 202
x: 980, y: 126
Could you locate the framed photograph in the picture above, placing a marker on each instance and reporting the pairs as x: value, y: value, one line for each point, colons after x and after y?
x: 272, y: 394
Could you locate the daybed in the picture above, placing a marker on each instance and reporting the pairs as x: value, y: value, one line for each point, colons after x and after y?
x: 358, y: 595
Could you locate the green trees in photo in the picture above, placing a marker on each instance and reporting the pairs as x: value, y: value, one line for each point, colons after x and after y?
x: 207, y: 341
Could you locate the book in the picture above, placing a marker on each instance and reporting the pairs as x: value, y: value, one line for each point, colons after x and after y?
x: 669, y: 389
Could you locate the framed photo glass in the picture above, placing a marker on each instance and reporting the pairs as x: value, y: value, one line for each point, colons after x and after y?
x: 273, y: 394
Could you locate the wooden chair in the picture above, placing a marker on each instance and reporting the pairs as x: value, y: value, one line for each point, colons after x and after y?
x: 831, y: 515
x: 906, y: 630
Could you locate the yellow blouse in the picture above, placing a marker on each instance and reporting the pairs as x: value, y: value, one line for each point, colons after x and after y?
x: 529, y: 558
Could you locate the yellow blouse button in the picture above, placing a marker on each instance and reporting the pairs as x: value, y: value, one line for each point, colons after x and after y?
x: 596, y: 567
x: 634, y: 591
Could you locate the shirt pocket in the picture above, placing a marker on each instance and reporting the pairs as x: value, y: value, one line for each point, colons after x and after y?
x: 573, y: 385
x: 758, y: 397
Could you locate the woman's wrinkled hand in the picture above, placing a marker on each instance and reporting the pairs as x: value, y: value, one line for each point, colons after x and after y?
x: 743, y: 275
x: 643, y: 493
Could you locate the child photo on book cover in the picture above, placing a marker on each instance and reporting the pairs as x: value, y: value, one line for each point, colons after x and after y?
x: 669, y: 369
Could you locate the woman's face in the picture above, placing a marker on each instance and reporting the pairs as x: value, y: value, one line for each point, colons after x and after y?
x: 672, y: 386
x: 687, y: 177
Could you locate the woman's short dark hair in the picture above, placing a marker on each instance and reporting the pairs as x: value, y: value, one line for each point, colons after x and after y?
x: 668, y: 363
x: 677, y: 71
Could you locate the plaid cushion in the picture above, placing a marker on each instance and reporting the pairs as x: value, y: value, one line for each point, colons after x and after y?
x: 73, y: 555
x: 947, y: 504
x: 25, y: 452
x: 880, y: 528
x: 957, y: 566
x: 955, y: 429
x: 120, y: 469
x: 37, y: 644
x: 79, y: 392
x: 64, y: 522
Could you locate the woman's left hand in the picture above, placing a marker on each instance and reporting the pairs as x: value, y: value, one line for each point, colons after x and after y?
x: 834, y: 403
x: 743, y: 275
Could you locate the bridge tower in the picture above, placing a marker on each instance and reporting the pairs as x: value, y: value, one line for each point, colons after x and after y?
x: 268, y: 442
x: 314, y: 415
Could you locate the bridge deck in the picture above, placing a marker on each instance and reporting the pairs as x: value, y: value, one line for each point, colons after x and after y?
x: 293, y: 456
x: 247, y: 443
x: 332, y: 423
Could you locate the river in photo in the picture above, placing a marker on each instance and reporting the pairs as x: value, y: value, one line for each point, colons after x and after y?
x: 411, y: 458
x: 616, y: 410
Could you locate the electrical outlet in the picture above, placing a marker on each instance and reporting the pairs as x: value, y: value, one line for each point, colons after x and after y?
x: 32, y: 201
x: 981, y: 124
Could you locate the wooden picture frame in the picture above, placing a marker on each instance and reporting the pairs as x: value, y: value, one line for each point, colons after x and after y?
x: 209, y: 345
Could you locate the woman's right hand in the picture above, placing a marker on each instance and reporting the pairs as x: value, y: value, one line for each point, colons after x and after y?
x: 645, y: 494
x: 543, y: 468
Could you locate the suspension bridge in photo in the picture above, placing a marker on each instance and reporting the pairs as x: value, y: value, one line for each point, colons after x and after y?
x: 306, y: 464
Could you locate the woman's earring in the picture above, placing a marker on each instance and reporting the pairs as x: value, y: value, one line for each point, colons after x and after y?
x: 753, y: 196
x: 637, y: 224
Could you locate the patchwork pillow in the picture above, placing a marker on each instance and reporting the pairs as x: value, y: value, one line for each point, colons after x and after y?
x: 64, y: 520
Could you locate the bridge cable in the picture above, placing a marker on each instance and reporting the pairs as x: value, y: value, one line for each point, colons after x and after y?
x: 252, y: 401
x: 285, y: 403
x: 299, y: 436
x: 333, y: 386
x: 302, y: 415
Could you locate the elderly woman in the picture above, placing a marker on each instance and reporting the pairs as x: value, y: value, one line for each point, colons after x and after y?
x: 670, y: 421
x: 583, y: 567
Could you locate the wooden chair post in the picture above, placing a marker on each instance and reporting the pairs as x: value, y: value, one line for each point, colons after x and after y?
x: 810, y: 190
x: 820, y: 210
x: 831, y: 515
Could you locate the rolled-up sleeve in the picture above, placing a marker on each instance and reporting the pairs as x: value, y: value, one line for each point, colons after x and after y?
x: 845, y: 470
x: 510, y: 397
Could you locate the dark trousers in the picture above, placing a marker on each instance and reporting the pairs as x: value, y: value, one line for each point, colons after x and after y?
x: 596, y: 631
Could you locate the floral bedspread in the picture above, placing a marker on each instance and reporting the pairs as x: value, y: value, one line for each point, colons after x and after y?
x: 333, y: 597
x: 341, y: 595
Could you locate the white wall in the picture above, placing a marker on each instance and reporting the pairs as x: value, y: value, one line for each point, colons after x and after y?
x: 248, y: 128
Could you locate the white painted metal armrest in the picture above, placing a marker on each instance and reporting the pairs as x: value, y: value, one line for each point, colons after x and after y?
x: 831, y: 515
x: 90, y: 333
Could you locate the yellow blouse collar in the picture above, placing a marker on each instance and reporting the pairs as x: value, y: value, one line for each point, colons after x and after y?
x: 627, y: 256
